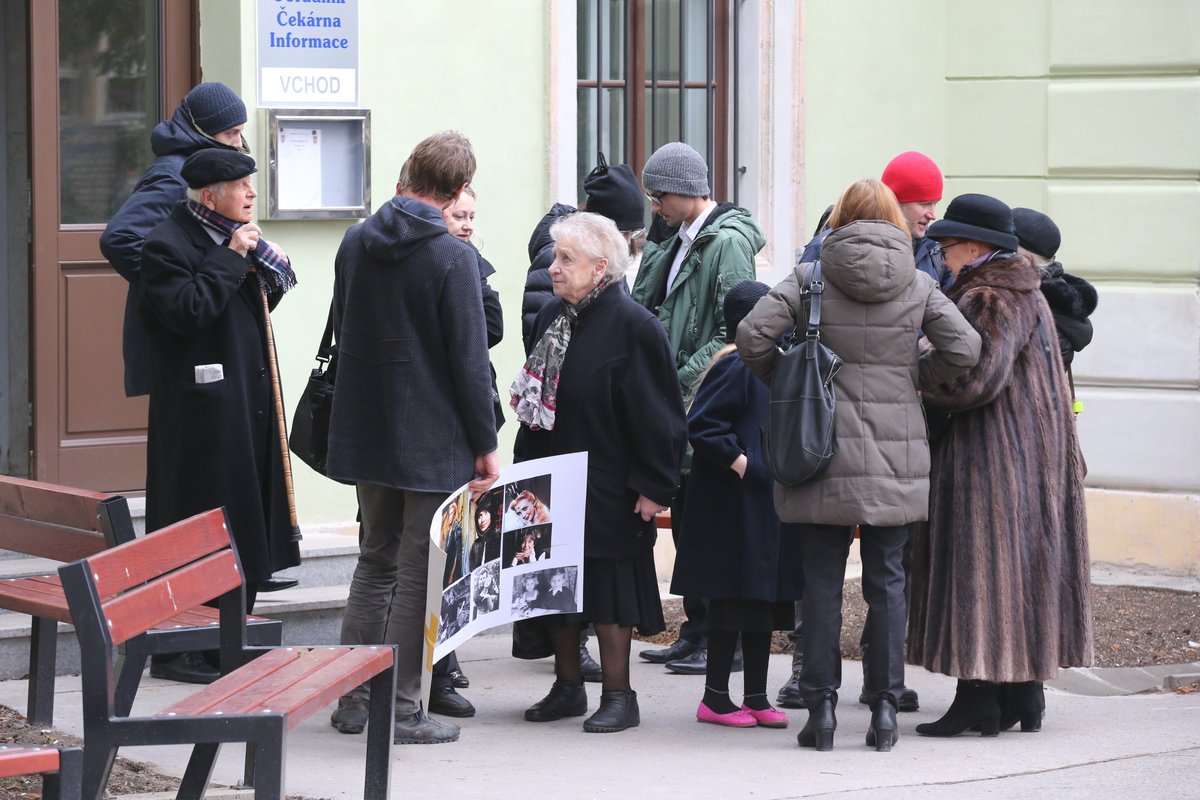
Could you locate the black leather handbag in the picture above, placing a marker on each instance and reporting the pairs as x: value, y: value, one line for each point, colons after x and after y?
x: 309, y: 440
x: 800, y: 437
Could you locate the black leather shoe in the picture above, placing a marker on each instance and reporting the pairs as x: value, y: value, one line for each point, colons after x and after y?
x: 449, y: 703
x: 694, y: 664
x: 909, y: 701
x: 618, y: 711
x: 277, y: 584
x: 351, y: 715
x: 185, y: 668
x: 883, y: 732
x: 681, y: 649
x: 563, y: 700
x: 822, y: 722
x: 789, y: 696
x: 588, y: 666
x: 458, y: 680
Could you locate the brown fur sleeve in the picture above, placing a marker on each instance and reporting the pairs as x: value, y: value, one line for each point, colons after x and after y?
x: 1004, y: 324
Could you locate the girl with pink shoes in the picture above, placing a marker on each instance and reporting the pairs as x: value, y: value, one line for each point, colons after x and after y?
x: 732, y: 550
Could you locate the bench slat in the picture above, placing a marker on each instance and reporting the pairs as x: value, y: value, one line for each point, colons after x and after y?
x: 146, y: 606
x: 139, y: 561
x: 229, y: 685
x: 309, y: 695
x: 51, y: 503
x: 27, y: 760
x: 298, y: 686
x: 40, y: 596
x: 45, y: 540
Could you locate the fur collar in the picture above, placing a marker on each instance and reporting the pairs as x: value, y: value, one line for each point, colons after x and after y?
x: 1068, y: 294
x: 1016, y: 273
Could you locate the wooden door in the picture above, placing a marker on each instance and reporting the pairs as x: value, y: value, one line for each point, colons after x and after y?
x: 102, y: 74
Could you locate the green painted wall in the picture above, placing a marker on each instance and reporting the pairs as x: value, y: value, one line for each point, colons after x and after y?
x: 477, y: 67
x: 1088, y: 110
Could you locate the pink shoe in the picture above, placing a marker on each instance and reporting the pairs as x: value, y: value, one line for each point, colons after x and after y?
x: 768, y: 717
x: 734, y: 719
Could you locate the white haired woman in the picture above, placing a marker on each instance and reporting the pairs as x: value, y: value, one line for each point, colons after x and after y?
x: 601, y: 378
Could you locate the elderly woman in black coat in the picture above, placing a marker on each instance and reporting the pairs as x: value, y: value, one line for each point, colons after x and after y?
x: 600, y: 378
x: 733, y: 551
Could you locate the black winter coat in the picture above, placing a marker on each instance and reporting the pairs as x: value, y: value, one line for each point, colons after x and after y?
x: 732, y: 545
x: 412, y: 407
x: 211, y: 444
x: 618, y: 399
x: 539, y: 289
x: 152, y: 200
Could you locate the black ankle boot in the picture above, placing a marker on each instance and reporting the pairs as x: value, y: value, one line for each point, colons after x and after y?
x: 883, y: 732
x: 1024, y: 703
x: 618, y: 711
x: 563, y: 700
x: 975, y: 705
x: 822, y: 722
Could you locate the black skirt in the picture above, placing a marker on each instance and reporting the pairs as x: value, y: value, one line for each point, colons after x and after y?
x: 618, y: 591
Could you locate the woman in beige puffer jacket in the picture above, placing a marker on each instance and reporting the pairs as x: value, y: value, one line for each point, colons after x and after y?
x: 875, y: 307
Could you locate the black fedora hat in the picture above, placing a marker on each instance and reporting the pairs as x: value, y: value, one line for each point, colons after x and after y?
x: 977, y: 217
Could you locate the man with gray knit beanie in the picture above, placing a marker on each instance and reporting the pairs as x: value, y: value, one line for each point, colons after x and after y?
x: 683, y: 280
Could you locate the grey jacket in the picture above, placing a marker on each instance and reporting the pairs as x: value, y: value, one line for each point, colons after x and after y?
x: 875, y: 306
x: 412, y: 407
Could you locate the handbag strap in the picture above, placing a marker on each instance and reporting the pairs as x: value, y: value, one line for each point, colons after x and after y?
x: 813, y: 287
x: 327, y: 349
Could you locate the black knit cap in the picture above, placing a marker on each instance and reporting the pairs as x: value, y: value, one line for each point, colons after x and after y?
x: 215, y: 107
x: 979, y: 218
x: 614, y: 192
x: 1036, y: 232
x: 739, y: 300
x: 216, y: 165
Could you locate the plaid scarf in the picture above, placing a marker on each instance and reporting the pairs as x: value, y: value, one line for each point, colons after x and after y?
x: 534, y: 394
x: 277, y: 277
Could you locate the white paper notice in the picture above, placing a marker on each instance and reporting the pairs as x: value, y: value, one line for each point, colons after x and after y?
x: 515, y: 552
x: 299, y: 168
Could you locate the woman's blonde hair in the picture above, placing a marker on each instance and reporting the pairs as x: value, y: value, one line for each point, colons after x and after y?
x: 868, y: 198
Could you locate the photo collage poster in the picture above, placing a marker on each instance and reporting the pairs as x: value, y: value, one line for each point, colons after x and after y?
x: 514, y: 552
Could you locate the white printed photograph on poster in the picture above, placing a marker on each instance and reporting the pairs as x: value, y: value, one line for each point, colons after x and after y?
x: 514, y: 552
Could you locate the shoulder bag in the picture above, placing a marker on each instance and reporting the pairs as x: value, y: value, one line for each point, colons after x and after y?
x: 310, y: 424
x: 800, y: 438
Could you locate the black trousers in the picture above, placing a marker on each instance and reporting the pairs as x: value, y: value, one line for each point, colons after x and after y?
x: 824, y: 550
x: 695, y: 609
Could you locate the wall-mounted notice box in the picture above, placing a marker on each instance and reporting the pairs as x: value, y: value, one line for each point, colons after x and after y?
x: 319, y: 164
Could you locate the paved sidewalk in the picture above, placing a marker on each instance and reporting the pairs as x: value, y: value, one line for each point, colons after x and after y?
x: 1135, y: 746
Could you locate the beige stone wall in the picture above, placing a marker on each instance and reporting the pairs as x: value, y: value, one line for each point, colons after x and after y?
x: 1090, y: 111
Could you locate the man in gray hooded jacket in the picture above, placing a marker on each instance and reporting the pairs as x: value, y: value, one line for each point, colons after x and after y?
x: 412, y: 416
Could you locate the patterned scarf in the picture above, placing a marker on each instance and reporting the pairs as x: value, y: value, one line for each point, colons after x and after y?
x: 277, y: 277
x: 534, y: 394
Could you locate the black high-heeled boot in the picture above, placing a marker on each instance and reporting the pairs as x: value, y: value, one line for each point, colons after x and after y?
x: 883, y: 732
x: 822, y: 722
x: 1024, y: 703
x: 975, y: 704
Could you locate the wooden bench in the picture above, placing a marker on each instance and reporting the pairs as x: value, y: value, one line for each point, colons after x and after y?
x: 61, y: 770
x: 117, y: 595
x: 64, y: 524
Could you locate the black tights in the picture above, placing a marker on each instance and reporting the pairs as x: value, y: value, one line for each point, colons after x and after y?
x: 614, y: 642
x: 756, y: 652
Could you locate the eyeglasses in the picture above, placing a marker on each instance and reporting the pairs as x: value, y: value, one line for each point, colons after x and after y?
x: 946, y: 247
x: 655, y: 197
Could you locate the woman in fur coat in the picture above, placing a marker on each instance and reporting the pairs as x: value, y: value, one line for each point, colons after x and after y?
x: 1000, y: 592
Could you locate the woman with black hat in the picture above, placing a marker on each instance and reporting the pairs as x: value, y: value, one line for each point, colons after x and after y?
x: 1000, y: 592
